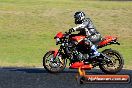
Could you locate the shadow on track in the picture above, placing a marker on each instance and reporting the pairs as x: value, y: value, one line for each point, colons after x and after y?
x: 18, y: 77
x: 42, y: 70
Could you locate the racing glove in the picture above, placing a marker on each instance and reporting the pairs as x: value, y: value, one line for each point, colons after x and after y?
x: 71, y: 30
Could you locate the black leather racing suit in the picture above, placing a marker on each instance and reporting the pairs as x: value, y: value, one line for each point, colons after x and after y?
x: 92, y: 36
x: 87, y: 28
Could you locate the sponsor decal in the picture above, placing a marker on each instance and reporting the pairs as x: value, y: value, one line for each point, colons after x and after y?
x: 106, y: 78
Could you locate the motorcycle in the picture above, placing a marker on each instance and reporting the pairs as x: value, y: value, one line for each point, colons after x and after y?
x: 74, y: 51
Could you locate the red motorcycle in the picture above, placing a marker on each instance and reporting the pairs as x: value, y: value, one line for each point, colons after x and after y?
x: 74, y: 49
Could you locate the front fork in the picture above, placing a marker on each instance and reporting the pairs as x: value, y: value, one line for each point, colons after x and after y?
x: 58, y: 55
x: 57, y: 52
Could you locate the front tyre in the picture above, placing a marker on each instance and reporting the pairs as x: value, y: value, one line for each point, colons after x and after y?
x: 52, y: 64
x: 116, y: 64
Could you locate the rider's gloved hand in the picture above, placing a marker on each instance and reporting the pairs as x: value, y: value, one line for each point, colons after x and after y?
x: 71, y: 30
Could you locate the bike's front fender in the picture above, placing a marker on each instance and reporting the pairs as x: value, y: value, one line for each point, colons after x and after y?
x: 55, y: 52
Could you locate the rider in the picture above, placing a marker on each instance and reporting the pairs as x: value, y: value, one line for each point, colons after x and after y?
x: 86, y: 27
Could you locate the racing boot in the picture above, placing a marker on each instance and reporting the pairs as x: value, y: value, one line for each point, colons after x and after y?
x: 99, y: 56
x: 94, y: 52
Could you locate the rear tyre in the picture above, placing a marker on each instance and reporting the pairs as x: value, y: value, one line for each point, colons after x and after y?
x: 117, y: 62
x: 51, y: 65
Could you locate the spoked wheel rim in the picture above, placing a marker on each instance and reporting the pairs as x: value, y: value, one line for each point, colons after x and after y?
x: 54, y: 64
x: 115, y: 62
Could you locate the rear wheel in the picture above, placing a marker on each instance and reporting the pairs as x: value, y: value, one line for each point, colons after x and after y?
x: 52, y: 64
x: 116, y: 63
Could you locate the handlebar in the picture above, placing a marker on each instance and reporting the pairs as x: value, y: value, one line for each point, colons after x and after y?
x: 67, y: 34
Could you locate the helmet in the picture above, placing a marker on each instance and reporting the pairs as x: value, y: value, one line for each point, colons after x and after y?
x: 79, y: 17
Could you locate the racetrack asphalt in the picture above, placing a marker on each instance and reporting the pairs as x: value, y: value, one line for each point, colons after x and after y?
x: 13, y: 77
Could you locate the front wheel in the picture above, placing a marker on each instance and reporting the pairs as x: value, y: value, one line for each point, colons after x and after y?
x: 52, y: 64
x: 116, y: 63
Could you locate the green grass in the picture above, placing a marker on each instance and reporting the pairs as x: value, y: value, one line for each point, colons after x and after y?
x: 27, y: 27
